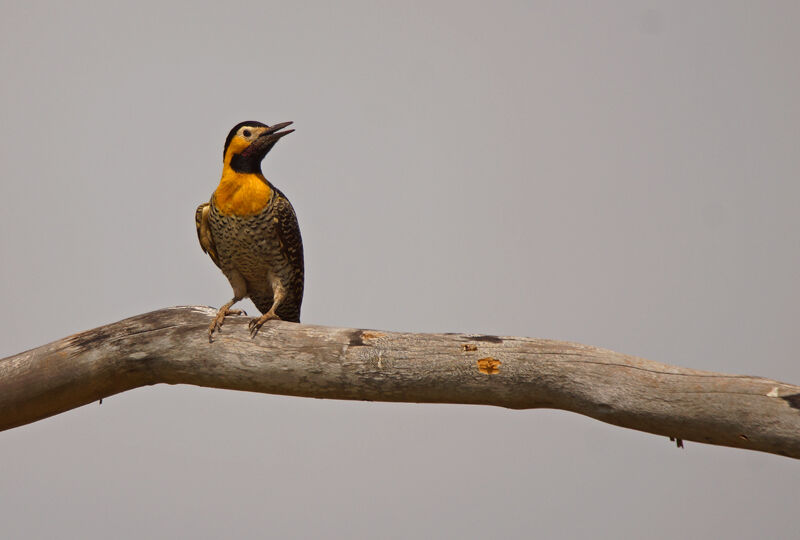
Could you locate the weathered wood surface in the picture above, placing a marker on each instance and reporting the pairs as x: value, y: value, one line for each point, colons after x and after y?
x: 171, y: 346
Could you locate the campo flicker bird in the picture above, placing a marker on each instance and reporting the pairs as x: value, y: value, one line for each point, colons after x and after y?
x: 250, y: 230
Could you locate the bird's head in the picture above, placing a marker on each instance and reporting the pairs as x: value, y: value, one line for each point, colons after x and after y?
x: 248, y: 143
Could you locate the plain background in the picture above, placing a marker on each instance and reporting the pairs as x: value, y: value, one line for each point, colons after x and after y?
x: 621, y: 174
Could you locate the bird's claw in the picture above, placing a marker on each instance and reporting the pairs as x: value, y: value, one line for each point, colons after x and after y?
x: 216, y: 324
x: 255, y: 324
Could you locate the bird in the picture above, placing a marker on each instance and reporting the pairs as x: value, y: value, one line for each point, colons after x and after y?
x: 249, y: 229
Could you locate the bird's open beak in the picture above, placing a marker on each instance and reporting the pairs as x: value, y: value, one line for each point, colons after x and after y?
x: 267, y: 140
x: 273, y: 133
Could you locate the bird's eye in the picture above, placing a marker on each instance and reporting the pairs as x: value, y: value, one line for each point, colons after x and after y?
x: 246, y: 133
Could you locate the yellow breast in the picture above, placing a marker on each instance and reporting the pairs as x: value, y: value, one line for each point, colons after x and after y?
x: 241, y: 194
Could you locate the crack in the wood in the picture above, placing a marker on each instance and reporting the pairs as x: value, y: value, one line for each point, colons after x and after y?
x: 136, y: 333
x: 83, y: 341
x: 793, y: 400
x: 709, y: 375
x: 727, y: 392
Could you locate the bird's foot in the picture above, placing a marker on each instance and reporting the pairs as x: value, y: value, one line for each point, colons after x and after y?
x: 256, y: 323
x: 216, y: 324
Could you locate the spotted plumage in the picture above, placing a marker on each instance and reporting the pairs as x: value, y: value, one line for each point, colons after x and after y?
x: 250, y: 230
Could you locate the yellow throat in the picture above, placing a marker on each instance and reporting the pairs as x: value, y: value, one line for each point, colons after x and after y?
x: 240, y: 194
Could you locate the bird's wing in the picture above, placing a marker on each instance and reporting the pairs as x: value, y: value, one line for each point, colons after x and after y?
x: 204, y: 232
x: 289, y: 235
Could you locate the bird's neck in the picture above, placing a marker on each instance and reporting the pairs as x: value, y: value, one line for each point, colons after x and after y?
x: 242, y: 194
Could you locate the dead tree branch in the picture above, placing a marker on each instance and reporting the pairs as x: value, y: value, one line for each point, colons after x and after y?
x: 171, y: 346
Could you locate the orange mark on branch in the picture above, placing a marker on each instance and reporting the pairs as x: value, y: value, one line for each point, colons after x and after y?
x: 489, y: 365
x: 371, y: 335
x: 468, y: 347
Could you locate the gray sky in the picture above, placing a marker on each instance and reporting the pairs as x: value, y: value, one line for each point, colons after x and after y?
x: 621, y: 174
